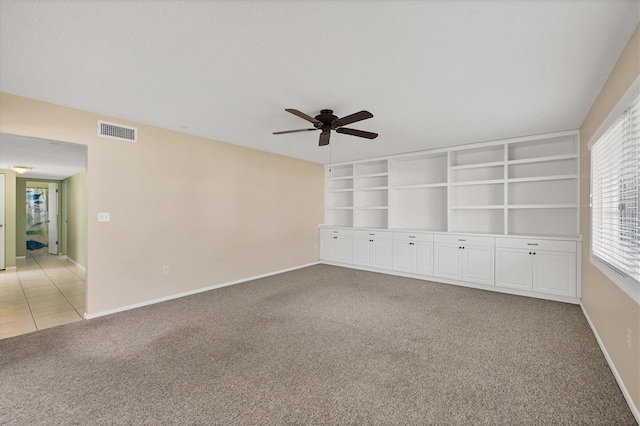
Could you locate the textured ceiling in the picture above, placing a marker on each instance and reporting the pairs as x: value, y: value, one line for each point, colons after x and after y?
x: 433, y: 73
x: 47, y: 159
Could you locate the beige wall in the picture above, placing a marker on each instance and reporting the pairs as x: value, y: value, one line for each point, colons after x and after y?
x: 609, y: 308
x: 212, y: 212
x: 76, y: 219
x: 9, y: 218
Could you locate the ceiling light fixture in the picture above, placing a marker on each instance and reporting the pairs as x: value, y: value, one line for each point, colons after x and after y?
x: 20, y: 169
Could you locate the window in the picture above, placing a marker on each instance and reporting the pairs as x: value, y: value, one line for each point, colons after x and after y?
x: 615, y: 195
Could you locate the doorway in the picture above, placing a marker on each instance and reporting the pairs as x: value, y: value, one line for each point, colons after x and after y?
x: 42, y: 217
x: 46, y: 270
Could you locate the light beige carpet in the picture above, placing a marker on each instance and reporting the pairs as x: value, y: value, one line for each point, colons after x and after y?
x: 320, y: 345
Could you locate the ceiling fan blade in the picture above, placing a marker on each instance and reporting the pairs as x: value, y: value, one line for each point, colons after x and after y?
x: 294, y: 131
x: 358, y: 116
x: 303, y: 115
x: 360, y: 133
x: 324, y: 138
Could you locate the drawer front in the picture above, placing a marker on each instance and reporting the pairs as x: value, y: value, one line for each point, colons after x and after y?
x: 381, y: 235
x: 531, y: 244
x: 336, y: 231
x: 412, y: 236
x: 465, y: 239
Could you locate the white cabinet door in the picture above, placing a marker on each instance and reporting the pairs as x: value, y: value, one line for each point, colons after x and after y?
x: 513, y: 268
x: 327, y: 247
x: 381, y: 253
x: 554, y: 272
x: 344, y: 249
x: 477, y: 265
x: 361, y: 251
x: 402, y: 252
x: 447, y: 261
x: 424, y: 258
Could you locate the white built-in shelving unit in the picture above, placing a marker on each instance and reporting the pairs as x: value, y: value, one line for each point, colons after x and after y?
x: 501, y: 216
x: 525, y: 186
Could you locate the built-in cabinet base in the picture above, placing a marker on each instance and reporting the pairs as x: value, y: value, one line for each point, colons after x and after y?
x: 545, y: 268
x: 517, y: 292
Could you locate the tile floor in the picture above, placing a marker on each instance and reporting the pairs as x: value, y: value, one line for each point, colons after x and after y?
x: 42, y: 292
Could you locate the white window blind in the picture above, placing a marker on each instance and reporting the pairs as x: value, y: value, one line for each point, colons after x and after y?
x: 615, y: 195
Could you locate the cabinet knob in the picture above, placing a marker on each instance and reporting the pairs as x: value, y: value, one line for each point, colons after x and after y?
x: 529, y: 252
x: 534, y: 253
x: 335, y: 238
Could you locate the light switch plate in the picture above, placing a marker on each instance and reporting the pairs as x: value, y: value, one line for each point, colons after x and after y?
x: 104, y: 217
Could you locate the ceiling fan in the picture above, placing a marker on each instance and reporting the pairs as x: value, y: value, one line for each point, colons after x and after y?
x: 326, y: 122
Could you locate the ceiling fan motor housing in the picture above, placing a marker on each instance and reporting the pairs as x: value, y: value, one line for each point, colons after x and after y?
x: 326, y: 117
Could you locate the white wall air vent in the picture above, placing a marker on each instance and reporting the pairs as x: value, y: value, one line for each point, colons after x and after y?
x: 117, y: 131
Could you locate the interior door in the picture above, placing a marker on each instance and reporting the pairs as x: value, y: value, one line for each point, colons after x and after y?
x: 52, y: 218
x: 2, y: 228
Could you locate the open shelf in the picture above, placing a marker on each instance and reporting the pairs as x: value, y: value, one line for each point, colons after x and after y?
x: 543, y: 206
x: 371, y: 181
x: 486, y: 221
x: 370, y: 218
x: 420, y: 186
x: 478, y: 182
x: 479, y: 165
x: 420, y: 208
x: 543, y: 221
x: 544, y: 159
x: 339, y: 200
x: 542, y: 192
x: 371, y: 168
x: 542, y: 178
x: 567, y: 166
x: 479, y: 207
x: 561, y: 147
x: 484, y: 195
x: 372, y: 175
x: 485, y: 156
x: 419, y: 170
x: 374, y: 188
x: 339, y: 217
x: 339, y: 172
x: 477, y: 174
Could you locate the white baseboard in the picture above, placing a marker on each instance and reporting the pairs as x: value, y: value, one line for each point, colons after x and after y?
x: 623, y: 388
x: 430, y: 278
x: 10, y: 268
x: 189, y: 293
x: 21, y: 257
x: 76, y: 263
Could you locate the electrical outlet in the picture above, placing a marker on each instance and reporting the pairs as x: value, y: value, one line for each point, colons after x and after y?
x: 628, y: 338
x: 165, y: 270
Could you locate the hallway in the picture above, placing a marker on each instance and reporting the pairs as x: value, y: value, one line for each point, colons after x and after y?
x: 43, y: 291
